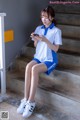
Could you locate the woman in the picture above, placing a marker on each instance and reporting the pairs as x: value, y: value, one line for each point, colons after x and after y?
x: 47, y: 39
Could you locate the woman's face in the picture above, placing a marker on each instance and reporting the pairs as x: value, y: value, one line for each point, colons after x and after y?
x: 45, y: 19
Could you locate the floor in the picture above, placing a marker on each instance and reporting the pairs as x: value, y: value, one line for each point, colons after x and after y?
x: 68, y: 111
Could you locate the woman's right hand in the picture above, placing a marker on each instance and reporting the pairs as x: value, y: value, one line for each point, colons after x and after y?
x: 32, y: 35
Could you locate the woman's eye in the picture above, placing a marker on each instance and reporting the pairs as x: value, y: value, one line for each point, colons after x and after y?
x: 44, y: 17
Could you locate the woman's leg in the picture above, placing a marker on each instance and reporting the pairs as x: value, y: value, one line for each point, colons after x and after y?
x: 36, y: 69
x: 27, y: 86
x: 28, y: 78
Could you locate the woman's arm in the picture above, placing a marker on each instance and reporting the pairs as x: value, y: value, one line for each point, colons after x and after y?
x: 50, y: 45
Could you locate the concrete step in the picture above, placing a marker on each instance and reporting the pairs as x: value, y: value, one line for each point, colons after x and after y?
x: 67, y: 8
x: 68, y: 31
x: 68, y: 60
x: 28, y: 51
x: 62, y: 83
x: 70, y: 45
x: 20, y: 64
x: 69, y: 69
x: 68, y: 19
x: 62, y: 108
x: 64, y: 58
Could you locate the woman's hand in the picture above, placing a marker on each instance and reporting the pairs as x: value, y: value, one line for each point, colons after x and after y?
x: 41, y: 38
x: 44, y: 39
x: 35, y: 39
x: 32, y: 35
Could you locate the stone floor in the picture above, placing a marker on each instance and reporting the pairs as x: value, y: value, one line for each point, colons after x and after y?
x: 68, y: 111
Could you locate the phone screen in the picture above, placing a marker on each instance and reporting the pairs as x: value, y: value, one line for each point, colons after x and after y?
x: 36, y: 35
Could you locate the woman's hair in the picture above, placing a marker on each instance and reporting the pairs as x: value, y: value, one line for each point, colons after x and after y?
x: 50, y: 11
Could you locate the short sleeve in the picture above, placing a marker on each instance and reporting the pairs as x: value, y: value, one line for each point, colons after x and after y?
x: 58, y: 37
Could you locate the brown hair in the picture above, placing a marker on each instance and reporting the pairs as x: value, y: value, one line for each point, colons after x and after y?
x: 50, y: 11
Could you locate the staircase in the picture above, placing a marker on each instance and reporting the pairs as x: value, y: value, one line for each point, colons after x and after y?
x: 63, y: 84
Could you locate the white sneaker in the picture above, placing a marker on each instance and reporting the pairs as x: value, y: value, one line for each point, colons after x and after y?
x: 21, y: 106
x: 28, y: 109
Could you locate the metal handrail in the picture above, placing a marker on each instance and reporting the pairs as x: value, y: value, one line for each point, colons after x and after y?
x: 2, y: 55
x: 1, y: 69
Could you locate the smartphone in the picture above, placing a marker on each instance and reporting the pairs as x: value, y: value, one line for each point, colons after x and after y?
x: 35, y: 34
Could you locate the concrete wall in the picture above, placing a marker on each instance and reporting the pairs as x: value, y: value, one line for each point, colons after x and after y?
x: 22, y: 17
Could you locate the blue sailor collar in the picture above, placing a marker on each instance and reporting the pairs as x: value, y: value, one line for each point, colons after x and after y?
x: 50, y: 26
x: 46, y: 29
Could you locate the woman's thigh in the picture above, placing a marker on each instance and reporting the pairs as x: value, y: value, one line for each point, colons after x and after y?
x: 41, y: 67
x: 31, y: 64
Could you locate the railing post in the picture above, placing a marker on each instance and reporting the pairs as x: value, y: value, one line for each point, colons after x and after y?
x: 2, y: 55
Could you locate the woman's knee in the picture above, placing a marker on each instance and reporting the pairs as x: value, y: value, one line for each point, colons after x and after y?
x: 35, y: 69
x: 28, y: 66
